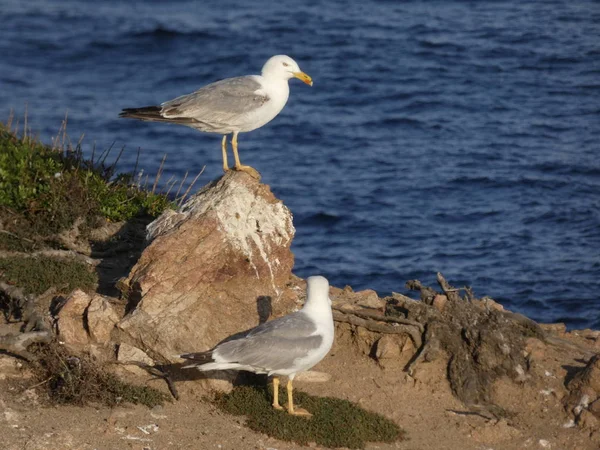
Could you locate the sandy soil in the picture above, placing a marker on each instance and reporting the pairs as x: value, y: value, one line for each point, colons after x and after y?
x: 423, y: 405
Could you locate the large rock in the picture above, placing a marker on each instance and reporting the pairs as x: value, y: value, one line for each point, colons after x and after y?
x: 210, y: 268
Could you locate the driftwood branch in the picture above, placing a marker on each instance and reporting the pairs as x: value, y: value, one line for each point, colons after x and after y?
x: 421, y: 352
x: 367, y: 315
x: 31, y: 316
x: 377, y: 326
x: 451, y: 292
x: 17, y: 344
x: 427, y: 294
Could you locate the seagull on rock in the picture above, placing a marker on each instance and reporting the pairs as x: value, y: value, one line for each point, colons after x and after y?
x: 230, y: 106
x: 281, y: 347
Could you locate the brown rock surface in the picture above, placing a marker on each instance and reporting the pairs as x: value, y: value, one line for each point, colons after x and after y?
x: 71, y: 327
x: 584, y: 389
x: 101, y: 319
x: 209, y: 267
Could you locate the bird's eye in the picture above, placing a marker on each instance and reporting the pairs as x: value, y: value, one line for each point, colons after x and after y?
x: 285, y: 64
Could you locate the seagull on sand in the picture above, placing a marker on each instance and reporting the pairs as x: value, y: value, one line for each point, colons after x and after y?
x: 281, y: 347
x: 234, y: 105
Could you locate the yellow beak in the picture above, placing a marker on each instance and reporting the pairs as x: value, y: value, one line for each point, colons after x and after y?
x: 302, y: 76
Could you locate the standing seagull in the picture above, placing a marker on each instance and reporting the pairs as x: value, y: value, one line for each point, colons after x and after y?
x: 233, y: 105
x: 281, y: 347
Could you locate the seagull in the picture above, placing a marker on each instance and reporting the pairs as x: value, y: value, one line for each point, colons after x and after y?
x: 281, y: 347
x: 233, y: 105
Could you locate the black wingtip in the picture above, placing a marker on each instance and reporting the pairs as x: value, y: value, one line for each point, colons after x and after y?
x: 146, y: 111
x: 200, y: 358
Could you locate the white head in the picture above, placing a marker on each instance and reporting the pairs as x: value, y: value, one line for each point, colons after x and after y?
x: 317, y: 291
x: 284, y: 67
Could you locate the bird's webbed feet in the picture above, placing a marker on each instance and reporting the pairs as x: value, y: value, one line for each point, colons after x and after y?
x: 249, y: 170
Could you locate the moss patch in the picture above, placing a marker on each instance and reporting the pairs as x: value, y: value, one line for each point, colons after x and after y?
x: 335, y: 422
x: 79, y: 381
x: 37, y: 274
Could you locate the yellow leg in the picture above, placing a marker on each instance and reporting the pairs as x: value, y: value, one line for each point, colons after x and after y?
x: 276, y: 404
x: 238, y: 165
x: 224, y: 150
x: 291, y: 410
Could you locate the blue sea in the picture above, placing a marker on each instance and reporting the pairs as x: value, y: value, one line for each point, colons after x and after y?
x: 453, y: 136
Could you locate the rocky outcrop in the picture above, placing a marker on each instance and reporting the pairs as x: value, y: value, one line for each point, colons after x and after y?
x: 210, y: 268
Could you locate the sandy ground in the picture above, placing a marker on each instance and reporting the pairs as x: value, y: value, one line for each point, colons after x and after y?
x: 422, y: 405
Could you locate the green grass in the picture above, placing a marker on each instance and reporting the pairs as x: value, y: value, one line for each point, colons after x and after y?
x: 37, y: 274
x: 44, y: 190
x: 335, y: 422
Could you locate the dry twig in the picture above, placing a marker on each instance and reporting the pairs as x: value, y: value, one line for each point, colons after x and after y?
x: 377, y: 326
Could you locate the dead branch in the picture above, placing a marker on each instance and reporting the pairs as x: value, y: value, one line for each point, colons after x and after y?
x: 27, y: 304
x: 369, y: 315
x: 378, y: 327
x: 17, y: 236
x: 451, y: 292
x: 154, y: 371
x: 422, y: 351
x: 17, y: 344
x: 427, y: 294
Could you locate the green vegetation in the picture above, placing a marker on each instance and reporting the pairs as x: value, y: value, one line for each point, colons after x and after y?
x: 44, y: 190
x: 55, y: 213
x: 79, y: 380
x: 335, y: 422
x: 36, y: 274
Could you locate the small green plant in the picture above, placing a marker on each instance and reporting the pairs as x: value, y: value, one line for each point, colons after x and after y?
x: 36, y: 274
x: 335, y: 422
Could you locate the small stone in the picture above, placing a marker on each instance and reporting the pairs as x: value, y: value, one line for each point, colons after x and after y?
x: 101, y: 319
x: 492, y: 304
x: 11, y: 415
x: 439, y: 301
x: 594, y: 408
x: 387, y: 348
x: 71, y: 328
x: 588, y: 420
x: 9, y: 367
x: 130, y: 353
x: 369, y: 299
x: 535, y: 349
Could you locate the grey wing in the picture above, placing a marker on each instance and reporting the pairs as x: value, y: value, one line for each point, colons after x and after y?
x: 222, y: 101
x: 273, y: 345
x: 293, y: 326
